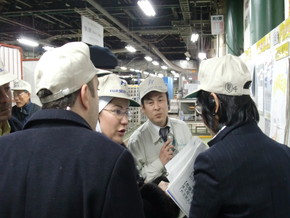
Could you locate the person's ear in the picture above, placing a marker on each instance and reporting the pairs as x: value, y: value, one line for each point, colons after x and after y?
x: 214, y: 102
x: 84, y: 96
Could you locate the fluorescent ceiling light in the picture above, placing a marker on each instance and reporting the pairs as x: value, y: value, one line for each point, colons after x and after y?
x: 47, y: 48
x: 194, y: 37
x: 155, y: 63
x: 201, y: 55
x: 123, y: 68
x: 28, y: 42
x: 148, y: 58
x: 164, y: 67
x: 130, y: 48
x: 146, y: 7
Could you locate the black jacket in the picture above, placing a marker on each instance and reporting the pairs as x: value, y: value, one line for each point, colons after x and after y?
x: 244, y: 174
x: 58, y: 167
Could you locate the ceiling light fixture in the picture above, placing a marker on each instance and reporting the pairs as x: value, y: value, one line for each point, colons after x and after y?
x: 164, y: 67
x: 155, y: 63
x: 194, y: 37
x: 28, y: 42
x: 47, y: 48
x: 146, y: 7
x: 130, y: 48
x: 148, y: 58
x: 202, y: 55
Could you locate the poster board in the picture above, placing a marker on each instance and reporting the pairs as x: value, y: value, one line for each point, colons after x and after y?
x: 268, y: 62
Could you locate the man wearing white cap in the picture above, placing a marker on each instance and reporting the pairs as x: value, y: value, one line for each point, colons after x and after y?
x: 244, y: 173
x: 24, y: 108
x: 7, y: 124
x: 156, y: 142
x: 58, y: 165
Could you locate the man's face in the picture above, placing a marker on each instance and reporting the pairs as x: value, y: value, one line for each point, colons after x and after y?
x: 155, y: 107
x: 5, y: 102
x: 21, y: 97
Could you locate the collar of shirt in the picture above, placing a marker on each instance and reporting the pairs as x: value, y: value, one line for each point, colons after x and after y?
x: 5, y: 128
x: 154, y: 130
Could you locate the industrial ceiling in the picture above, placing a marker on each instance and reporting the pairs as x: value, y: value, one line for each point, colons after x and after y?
x: 165, y: 37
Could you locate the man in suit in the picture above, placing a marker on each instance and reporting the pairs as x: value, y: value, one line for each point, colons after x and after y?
x: 59, y: 166
x: 245, y: 173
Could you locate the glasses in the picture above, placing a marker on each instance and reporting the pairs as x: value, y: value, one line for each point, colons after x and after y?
x: 198, y: 109
x: 120, y: 113
x: 18, y: 94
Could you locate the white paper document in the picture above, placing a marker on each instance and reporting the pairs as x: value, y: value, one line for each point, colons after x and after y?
x: 180, y: 174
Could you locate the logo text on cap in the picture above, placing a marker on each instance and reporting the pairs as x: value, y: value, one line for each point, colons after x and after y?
x: 229, y: 87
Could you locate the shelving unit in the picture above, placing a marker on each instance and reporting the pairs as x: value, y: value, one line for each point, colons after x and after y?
x: 187, y: 107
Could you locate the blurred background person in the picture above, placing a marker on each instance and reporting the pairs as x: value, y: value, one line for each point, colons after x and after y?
x: 24, y: 108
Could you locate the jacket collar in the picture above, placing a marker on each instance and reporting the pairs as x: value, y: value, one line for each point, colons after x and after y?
x: 241, y: 128
x: 55, y: 116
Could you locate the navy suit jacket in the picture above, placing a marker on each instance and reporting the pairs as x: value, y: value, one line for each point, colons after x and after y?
x: 59, y: 167
x: 244, y: 174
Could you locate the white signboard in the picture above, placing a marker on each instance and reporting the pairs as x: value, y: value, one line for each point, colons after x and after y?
x: 217, y: 24
x: 92, y: 32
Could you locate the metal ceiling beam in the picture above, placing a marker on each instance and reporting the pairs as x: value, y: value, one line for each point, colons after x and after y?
x: 142, y: 45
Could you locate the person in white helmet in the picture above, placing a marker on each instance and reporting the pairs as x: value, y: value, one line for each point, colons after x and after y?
x: 23, y: 107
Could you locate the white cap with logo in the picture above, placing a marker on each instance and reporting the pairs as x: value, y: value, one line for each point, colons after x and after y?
x: 226, y: 75
x: 64, y: 70
x: 5, y: 76
x: 152, y: 84
x: 21, y: 85
x: 112, y: 86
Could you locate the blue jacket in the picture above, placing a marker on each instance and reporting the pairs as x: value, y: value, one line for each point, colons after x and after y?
x: 59, y: 167
x: 22, y: 114
x: 244, y: 174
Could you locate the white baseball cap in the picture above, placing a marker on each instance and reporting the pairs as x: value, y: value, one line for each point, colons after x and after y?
x: 152, y: 84
x: 64, y: 70
x: 226, y: 75
x: 21, y: 85
x: 112, y: 86
x: 5, y: 76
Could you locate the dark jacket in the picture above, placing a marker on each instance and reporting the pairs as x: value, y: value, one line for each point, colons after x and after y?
x: 58, y: 167
x: 22, y: 114
x: 244, y: 174
x: 15, y: 124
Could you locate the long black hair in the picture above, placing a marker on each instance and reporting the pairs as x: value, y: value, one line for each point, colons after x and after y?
x: 233, y: 110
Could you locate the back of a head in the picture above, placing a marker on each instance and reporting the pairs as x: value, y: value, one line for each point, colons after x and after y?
x: 102, y: 57
x: 152, y: 84
x: 63, y: 70
x: 229, y: 78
